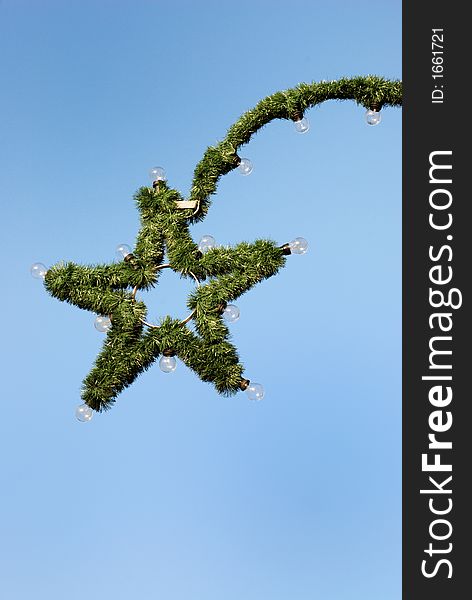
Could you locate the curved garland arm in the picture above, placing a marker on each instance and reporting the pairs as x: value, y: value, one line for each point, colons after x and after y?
x: 370, y: 92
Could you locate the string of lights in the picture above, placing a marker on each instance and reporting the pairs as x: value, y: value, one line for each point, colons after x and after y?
x: 221, y: 273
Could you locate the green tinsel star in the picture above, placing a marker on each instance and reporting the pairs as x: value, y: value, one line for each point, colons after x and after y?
x: 132, y: 344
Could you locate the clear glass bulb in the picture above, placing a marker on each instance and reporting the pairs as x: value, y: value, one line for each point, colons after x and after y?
x: 298, y: 246
x: 38, y: 270
x: 102, y: 323
x: 255, y: 391
x: 373, y: 117
x: 167, y: 364
x: 231, y: 313
x: 157, y: 174
x: 207, y: 242
x: 302, y: 125
x: 84, y: 413
x: 122, y: 251
x: 245, y: 166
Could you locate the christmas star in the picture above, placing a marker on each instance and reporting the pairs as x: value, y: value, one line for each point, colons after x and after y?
x: 132, y: 344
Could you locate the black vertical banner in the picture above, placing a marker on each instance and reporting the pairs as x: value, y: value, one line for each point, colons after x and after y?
x: 437, y: 254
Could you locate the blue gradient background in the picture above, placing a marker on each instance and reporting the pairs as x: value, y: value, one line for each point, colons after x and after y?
x: 178, y: 493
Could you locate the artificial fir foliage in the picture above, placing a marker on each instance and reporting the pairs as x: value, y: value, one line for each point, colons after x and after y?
x: 132, y: 345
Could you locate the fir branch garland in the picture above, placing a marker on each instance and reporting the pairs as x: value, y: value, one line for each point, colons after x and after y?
x: 130, y: 346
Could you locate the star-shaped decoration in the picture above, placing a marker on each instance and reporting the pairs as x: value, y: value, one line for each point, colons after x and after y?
x: 132, y: 344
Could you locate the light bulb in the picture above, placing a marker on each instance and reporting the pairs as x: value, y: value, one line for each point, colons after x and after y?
x: 298, y: 246
x: 167, y: 364
x: 373, y: 117
x: 38, y: 270
x: 122, y: 251
x: 231, y: 313
x: 102, y: 324
x: 255, y: 391
x: 207, y: 242
x: 157, y: 174
x: 302, y: 125
x: 84, y: 413
x: 245, y: 166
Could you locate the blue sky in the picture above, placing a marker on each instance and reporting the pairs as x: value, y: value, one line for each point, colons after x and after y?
x: 178, y: 493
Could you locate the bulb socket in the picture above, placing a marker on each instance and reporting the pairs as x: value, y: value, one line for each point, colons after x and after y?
x: 156, y: 184
x: 131, y: 260
x: 244, y: 384
x: 168, y: 352
x: 297, y: 115
x: 221, y: 308
x: 286, y: 249
x: 237, y: 160
x: 375, y: 106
